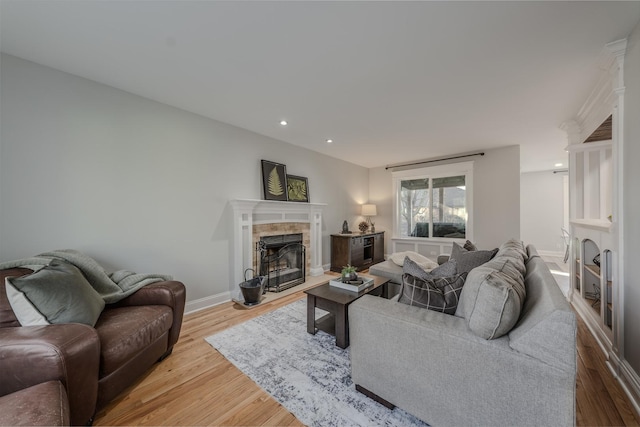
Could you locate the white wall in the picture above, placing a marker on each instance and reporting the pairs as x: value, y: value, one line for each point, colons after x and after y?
x: 496, y: 197
x: 137, y: 184
x: 542, y: 210
x: 631, y: 196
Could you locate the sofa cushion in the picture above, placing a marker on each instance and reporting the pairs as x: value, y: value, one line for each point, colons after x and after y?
x: 438, y: 294
x: 44, y: 404
x: 126, y: 331
x: 514, y: 248
x: 424, y: 262
x: 388, y: 269
x: 57, y: 293
x: 492, y: 299
x: 468, y: 260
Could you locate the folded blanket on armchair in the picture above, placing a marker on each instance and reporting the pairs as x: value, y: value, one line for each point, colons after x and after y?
x: 112, y: 287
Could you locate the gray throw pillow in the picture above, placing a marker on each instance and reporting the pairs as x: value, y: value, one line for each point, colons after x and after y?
x: 446, y: 269
x: 468, y: 260
x: 57, y: 293
x: 469, y: 246
x: 438, y: 294
x: 492, y: 299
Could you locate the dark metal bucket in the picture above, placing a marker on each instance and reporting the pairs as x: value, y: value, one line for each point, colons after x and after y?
x: 253, y: 288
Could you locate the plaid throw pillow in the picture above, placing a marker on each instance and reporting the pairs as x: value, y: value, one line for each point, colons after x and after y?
x: 438, y: 294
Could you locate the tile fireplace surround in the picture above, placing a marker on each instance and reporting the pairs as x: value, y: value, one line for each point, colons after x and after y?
x: 248, y: 213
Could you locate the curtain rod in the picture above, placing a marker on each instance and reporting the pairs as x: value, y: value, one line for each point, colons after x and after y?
x: 432, y: 161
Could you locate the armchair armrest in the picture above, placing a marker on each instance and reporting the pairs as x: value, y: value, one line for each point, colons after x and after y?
x: 69, y: 353
x: 169, y: 293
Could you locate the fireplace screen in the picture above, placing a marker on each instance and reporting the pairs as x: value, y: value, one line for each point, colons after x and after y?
x: 282, y: 259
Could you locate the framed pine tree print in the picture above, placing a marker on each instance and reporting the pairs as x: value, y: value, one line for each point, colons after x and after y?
x: 274, y: 181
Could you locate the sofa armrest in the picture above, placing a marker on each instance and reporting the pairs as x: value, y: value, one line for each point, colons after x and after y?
x: 69, y: 353
x: 431, y: 365
x: 169, y: 293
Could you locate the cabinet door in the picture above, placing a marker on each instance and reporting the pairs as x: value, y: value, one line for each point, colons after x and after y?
x: 378, y: 248
x: 357, y: 252
x: 340, y: 252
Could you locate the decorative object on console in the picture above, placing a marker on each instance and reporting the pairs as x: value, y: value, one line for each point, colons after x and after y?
x: 274, y: 181
x: 368, y: 211
x: 297, y: 188
x: 345, y: 227
x: 363, y: 226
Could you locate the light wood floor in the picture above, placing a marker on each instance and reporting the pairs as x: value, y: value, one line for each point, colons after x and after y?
x: 198, y: 386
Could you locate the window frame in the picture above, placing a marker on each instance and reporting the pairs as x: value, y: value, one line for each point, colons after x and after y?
x: 431, y: 172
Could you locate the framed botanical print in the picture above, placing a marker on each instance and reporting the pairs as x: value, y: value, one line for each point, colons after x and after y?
x: 297, y: 188
x: 274, y: 181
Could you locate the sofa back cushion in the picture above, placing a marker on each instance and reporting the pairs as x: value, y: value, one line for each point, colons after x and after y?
x: 492, y: 299
x: 547, y: 326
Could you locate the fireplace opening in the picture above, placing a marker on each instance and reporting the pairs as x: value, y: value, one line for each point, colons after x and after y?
x: 282, y: 259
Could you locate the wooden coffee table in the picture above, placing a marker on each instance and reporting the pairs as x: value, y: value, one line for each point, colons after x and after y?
x: 336, y: 301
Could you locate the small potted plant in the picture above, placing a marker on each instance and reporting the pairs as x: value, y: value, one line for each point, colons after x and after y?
x: 349, y: 273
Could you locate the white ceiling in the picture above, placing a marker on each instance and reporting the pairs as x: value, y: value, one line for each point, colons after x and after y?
x: 389, y: 82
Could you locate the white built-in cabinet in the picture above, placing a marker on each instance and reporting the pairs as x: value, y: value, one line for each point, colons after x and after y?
x: 591, y: 169
x: 595, y: 206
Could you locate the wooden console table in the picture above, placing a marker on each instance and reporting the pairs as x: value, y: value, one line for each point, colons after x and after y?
x: 358, y: 250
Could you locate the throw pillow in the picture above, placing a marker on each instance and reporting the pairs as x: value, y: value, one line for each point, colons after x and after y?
x: 469, y: 246
x: 438, y: 294
x: 57, y: 293
x: 468, y: 260
x: 492, y: 300
x: 446, y: 269
x: 424, y: 262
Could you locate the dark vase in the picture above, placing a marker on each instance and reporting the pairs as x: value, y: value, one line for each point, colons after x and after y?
x: 349, y: 277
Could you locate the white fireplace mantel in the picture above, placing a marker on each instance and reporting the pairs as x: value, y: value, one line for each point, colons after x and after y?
x: 247, y: 212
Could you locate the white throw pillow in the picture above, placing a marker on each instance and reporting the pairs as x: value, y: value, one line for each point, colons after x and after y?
x: 422, y: 261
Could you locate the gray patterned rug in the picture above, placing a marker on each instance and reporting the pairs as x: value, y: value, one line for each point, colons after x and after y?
x: 307, y: 374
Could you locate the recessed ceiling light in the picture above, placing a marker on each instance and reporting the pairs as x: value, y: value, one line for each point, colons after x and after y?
x: 558, y: 165
x: 283, y: 122
x: 329, y: 141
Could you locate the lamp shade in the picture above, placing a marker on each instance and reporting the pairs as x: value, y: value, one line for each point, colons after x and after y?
x: 369, y: 210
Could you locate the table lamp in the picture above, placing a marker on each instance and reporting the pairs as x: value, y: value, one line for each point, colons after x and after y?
x: 368, y: 211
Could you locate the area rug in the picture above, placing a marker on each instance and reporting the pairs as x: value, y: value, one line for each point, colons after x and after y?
x: 307, y: 374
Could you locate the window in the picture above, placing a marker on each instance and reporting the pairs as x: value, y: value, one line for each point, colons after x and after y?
x: 434, y: 202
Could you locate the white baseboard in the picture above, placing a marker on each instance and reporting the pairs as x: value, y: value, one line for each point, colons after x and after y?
x: 206, y: 302
x: 630, y: 383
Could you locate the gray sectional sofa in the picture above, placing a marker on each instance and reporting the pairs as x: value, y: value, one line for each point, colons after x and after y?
x: 443, y: 369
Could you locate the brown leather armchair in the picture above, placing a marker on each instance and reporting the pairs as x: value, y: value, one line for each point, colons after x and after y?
x: 94, y: 364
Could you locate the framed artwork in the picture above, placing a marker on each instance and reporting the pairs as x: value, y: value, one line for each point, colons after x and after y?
x: 297, y: 188
x: 274, y: 181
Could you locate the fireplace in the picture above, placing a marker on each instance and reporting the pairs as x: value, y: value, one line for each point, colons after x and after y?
x: 282, y: 258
